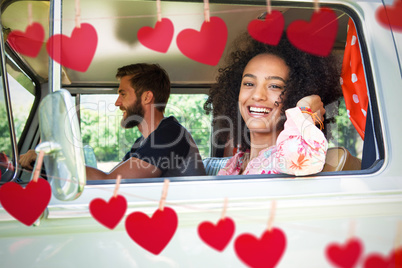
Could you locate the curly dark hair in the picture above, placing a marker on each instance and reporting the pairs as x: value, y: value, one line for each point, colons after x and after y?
x: 308, y: 75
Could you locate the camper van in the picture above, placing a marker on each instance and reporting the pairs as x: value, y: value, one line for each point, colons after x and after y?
x: 58, y: 91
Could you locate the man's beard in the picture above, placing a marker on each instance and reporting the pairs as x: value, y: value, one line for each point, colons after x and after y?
x: 134, y: 115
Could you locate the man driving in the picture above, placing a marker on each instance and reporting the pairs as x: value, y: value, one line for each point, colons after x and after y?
x: 165, y: 148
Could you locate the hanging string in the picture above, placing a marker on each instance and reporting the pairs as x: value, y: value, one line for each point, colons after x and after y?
x: 206, y: 10
x: 164, y: 194
x: 316, y: 6
x: 30, y: 18
x: 116, y: 189
x: 352, y: 229
x: 271, y: 215
x: 398, y: 237
x: 38, y: 166
x: 158, y: 10
x: 225, y: 205
x: 269, y: 8
x: 97, y: 18
x: 77, y: 14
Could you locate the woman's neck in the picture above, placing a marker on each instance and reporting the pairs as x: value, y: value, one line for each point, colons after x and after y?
x: 261, y: 141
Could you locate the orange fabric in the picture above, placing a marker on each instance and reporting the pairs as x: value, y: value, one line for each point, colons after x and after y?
x: 353, y: 81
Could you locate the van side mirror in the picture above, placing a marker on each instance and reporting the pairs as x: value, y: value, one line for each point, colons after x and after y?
x: 61, y: 141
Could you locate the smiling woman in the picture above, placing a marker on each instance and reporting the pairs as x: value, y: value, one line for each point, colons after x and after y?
x: 266, y: 83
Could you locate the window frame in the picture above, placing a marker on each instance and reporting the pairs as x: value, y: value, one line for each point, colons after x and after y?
x: 377, y: 129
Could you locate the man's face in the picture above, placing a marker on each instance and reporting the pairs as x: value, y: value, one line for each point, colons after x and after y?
x: 133, y: 112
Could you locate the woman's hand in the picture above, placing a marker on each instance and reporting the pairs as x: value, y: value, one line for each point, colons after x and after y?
x: 314, y: 103
x: 26, y: 160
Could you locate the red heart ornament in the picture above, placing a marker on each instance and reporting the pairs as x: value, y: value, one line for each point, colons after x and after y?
x: 217, y: 236
x: 152, y: 234
x: 108, y: 213
x: 268, y: 31
x: 35, y: 197
x: 345, y: 256
x: 75, y: 52
x: 205, y: 46
x: 398, y: 257
x: 391, y: 15
x: 158, y: 38
x: 29, y: 42
x: 376, y: 260
x: 316, y: 37
x: 263, y: 252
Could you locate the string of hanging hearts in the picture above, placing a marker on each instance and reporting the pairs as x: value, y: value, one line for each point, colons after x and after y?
x: 154, y: 233
x: 206, y: 45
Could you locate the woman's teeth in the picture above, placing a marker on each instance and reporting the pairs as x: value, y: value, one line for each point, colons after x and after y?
x: 259, y: 110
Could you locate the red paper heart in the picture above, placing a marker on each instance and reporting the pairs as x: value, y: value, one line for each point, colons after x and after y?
x: 376, y: 260
x: 207, y: 45
x: 263, y: 252
x: 158, y: 38
x: 391, y: 15
x: 268, y: 31
x: 217, y: 236
x: 153, y: 234
x: 29, y: 42
x: 76, y: 52
x: 108, y: 213
x: 345, y: 256
x: 316, y: 37
x: 25, y: 204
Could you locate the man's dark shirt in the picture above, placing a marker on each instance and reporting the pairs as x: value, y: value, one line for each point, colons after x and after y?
x: 170, y: 148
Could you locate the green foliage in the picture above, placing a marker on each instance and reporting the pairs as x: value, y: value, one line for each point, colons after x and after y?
x: 189, y: 111
x: 5, y: 139
x: 5, y: 136
x: 344, y: 133
x: 104, y: 134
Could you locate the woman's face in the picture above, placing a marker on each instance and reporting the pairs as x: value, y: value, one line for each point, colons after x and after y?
x: 263, y: 81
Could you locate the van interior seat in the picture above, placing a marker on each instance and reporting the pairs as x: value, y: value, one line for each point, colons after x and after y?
x: 338, y: 159
x: 214, y: 164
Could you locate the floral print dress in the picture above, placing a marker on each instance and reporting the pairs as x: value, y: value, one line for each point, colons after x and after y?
x: 300, y: 150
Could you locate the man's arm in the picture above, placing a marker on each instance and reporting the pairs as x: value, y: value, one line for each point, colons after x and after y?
x: 27, y: 159
x: 130, y: 169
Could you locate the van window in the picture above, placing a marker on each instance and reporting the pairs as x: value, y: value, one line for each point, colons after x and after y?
x: 101, y: 130
x: 188, y: 110
x: 343, y: 133
x: 22, y: 93
x: 100, y: 119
